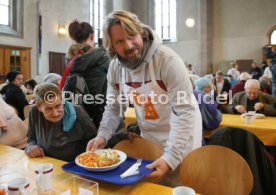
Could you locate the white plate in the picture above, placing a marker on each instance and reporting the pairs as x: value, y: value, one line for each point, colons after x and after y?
x: 122, y: 155
x: 257, y: 115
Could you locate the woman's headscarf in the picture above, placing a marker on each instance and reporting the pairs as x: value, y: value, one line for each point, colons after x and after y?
x: 201, y: 83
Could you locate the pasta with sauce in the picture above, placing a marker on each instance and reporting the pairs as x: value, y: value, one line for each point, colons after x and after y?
x: 104, y: 159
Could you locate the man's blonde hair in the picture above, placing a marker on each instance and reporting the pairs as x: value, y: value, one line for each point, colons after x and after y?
x: 46, y: 92
x: 129, y: 22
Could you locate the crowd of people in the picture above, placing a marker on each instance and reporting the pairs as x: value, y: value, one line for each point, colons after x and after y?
x: 133, y: 62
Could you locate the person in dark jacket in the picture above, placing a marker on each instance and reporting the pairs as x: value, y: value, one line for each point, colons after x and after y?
x: 57, y: 128
x: 92, y: 65
x: 272, y: 54
x: 222, y: 92
x: 255, y: 72
x: 13, y: 94
x: 252, y: 99
x: 264, y: 66
x: 222, y: 84
x: 238, y: 87
x: 254, y: 152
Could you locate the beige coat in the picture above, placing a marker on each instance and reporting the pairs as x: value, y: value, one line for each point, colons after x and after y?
x: 241, y: 99
x: 13, y: 132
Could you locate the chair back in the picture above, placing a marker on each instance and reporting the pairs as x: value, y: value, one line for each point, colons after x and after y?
x: 27, y: 110
x: 250, y: 147
x: 213, y: 170
x: 140, y: 148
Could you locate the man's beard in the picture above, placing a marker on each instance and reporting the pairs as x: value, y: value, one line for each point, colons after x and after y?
x: 135, y: 53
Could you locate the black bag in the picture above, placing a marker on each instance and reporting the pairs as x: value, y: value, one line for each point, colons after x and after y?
x: 75, y: 88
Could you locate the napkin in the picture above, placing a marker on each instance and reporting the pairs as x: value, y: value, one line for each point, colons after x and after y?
x: 133, y: 170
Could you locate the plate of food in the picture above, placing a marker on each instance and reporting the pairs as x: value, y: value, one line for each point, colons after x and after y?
x: 101, y: 160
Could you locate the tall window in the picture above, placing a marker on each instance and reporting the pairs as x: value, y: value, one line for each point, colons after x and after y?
x: 273, y: 38
x: 5, y: 12
x: 165, y: 19
x: 11, y: 18
x: 97, y: 14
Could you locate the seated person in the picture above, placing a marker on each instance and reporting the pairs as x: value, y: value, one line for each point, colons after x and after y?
x: 252, y: 99
x: 30, y: 85
x: 211, y: 116
x: 222, y: 84
x: 13, y: 132
x: 55, y: 129
x: 52, y: 78
x: 266, y: 85
x: 238, y: 87
x: 13, y: 93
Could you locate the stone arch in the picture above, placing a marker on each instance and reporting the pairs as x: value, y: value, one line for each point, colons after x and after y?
x: 269, y: 33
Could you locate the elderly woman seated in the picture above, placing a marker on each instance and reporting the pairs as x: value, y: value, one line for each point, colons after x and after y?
x: 12, y: 130
x: 52, y: 78
x: 57, y: 128
x: 204, y: 93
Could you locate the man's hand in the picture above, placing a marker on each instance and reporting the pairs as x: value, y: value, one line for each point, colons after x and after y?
x: 240, y: 109
x: 132, y: 136
x: 35, y: 151
x: 258, y: 106
x: 161, y: 167
x: 97, y: 142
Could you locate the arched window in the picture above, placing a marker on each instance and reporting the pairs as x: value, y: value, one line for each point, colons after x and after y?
x: 273, y: 37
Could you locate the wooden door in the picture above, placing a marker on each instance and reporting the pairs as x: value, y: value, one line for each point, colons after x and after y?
x: 14, y: 58
x: 56, y: 62
x: 2, y: 68
x: 245, y: 65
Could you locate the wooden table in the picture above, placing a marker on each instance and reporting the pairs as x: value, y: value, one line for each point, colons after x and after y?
x: 263, y: 128
x: 14, y: 162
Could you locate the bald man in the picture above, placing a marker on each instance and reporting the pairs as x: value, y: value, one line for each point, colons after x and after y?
x: 252, y: 99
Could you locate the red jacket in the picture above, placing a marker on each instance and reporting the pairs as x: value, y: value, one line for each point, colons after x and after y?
x: 238, y: 87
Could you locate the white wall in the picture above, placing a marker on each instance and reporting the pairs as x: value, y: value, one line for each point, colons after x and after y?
x: 29, y: 34
x: 55, y: 12
x: 187, y: 50
x: 121, y: 4
x: 240, y: 28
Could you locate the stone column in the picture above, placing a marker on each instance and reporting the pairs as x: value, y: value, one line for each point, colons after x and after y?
x: 204, y: 36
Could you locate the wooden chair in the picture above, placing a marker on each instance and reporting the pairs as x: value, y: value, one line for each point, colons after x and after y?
x: 140, y: 148
x: 149, y: 150
x: 27, y: 110
x: 213, y: 170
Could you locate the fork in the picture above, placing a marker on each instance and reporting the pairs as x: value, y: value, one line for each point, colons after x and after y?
x: 138, y: 162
